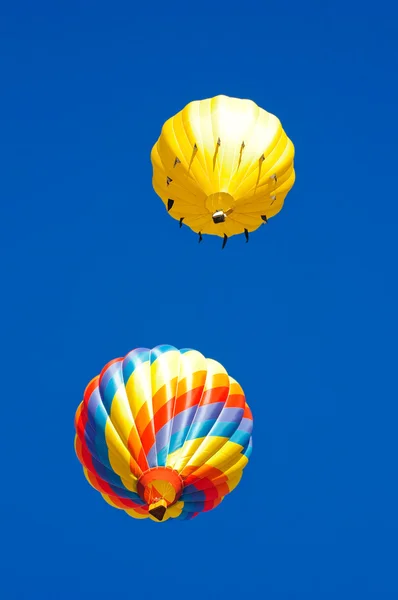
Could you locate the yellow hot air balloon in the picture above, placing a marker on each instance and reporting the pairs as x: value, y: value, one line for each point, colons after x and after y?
x: 223, y: 166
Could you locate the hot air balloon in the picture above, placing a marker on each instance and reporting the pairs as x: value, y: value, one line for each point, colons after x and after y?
x: 163, y: 433
x: 223, y: 166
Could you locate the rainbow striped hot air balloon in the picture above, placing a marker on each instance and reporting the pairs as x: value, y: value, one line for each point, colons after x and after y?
x: 163, y: 433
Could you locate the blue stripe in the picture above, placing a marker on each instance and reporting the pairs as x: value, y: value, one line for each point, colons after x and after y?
x: 115, y: 483
x: 249, y: 449
x: 181, y: 423
x: 94, y: 436
x: 108, y: 374
x: 199, y: 430
x: 101, y: 419
x: 240, y: 437
x: 204, y: 419
x: 199, y: 495
x: 177, y: 439
x: 185, y: 516
x: 108, y: 390
x: 246, y: 425
x: 232, y: 415
x: 162, y: 442
x: 95, y: 428
x: 223, y: 429
x: 134, y: 359
x: 190, y: 489
x: 159, y: 350
x: 194, y: 506
x: 162, y: 457
x: 152, y: 457
x: 98, y: 418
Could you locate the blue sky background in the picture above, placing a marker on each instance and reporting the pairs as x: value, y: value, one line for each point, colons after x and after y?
x: 93, y: 267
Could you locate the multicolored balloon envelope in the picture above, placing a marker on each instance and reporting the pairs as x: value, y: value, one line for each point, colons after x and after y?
x: 223, y: 166
x: 163, y: 433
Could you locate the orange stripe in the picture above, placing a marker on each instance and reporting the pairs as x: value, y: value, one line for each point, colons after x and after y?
x: 79, y: 450
x: 135, y: 468
x: 142, y: 419
x: 210, y: 474
x: 162, y: 395
x: 126, y: 503
x: 223, y: 490
x: 196, y: 380
x: 145, y: 428
x: 186, y: 473
x: 78, y: 414
x: 135, y: 447
x: 221, y: 480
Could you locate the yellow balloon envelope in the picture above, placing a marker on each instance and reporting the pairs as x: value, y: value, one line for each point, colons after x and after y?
x: 223, y: 166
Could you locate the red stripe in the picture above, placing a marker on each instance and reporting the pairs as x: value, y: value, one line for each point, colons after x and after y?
x: 109, y: 364
x: 89, y: 390
x: 98, y: 483
x: 145, y: 429
x: 209, y: 504
x: 81, y: 423
x: 235, y: 401
x: 210, y: 473
x: 101, y: 486
x: 164, y: 415
x: 138, y: 461
x: 214, y: 493
x: 161, y: 396
x: 216, y: 394
x: 148, y: 438
x: 247, y: 414
x: 188, y: 399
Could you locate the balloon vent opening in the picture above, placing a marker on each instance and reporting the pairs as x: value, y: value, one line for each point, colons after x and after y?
x: 159, y: 487
x: 219, y: 216
x: 220, y: 205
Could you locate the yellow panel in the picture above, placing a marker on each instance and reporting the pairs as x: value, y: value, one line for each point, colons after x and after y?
x: 130, y: 483
x: 121, y: 416
x: 138, y: 388
x: 164, y: 371
x: 135, y: 514
x: 119, y: 456
x: 179, y: 458
x: 227, y: 454
x: 175, y: 510
x: 205, y: 453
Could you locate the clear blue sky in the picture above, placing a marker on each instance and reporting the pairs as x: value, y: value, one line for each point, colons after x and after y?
x: 93, y: 266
